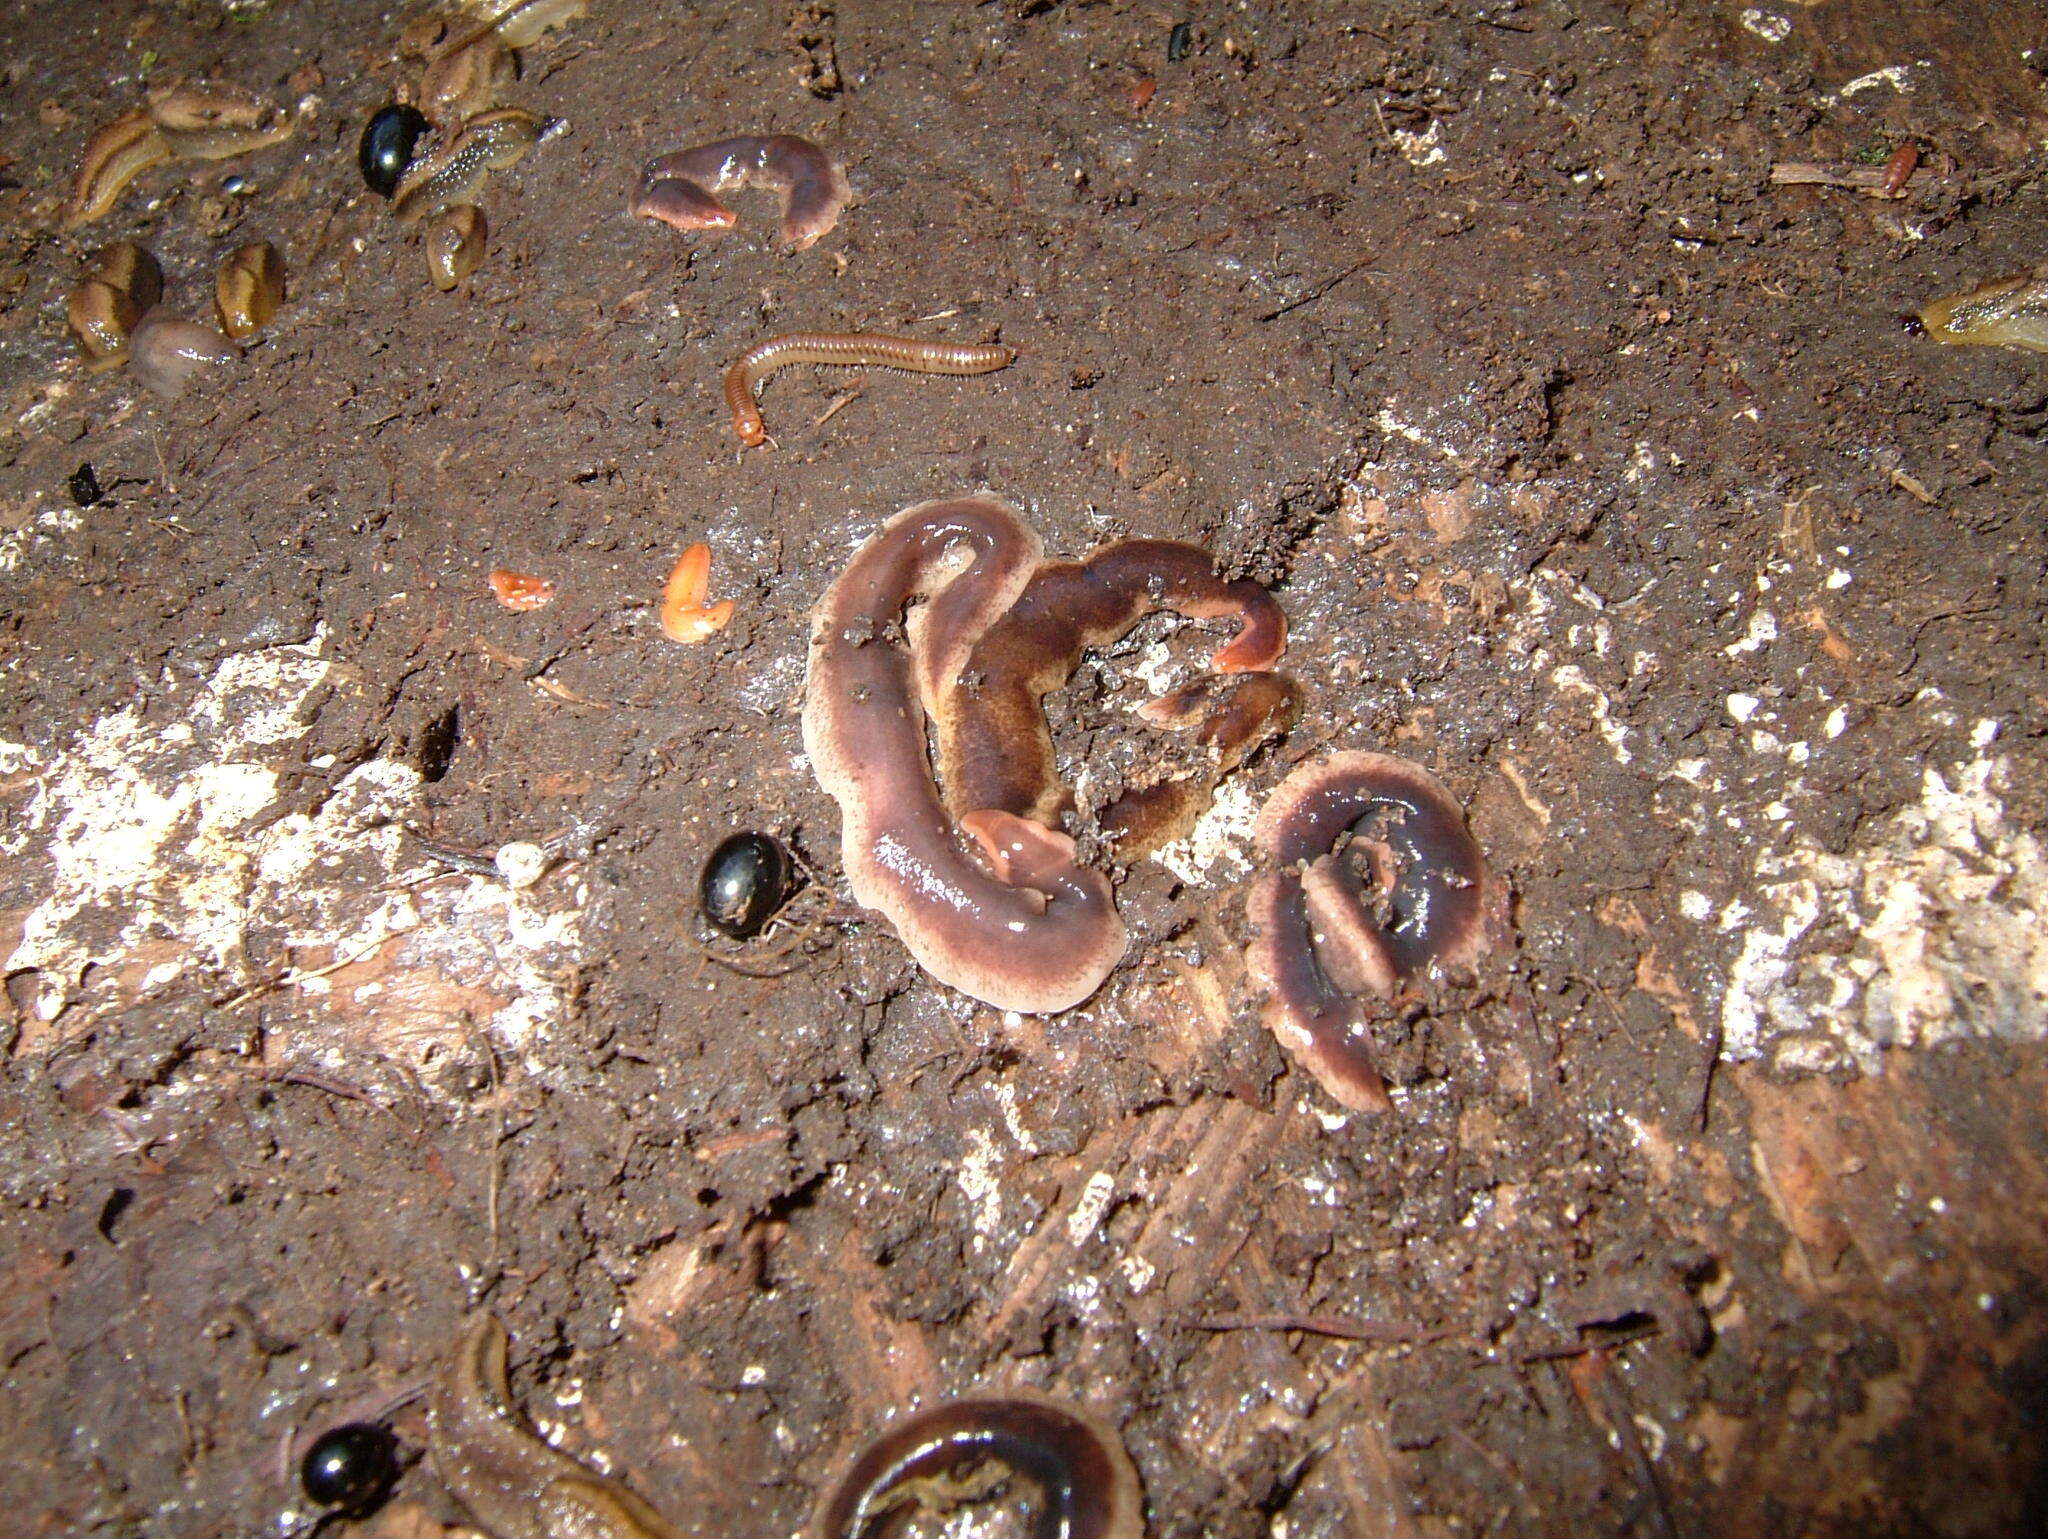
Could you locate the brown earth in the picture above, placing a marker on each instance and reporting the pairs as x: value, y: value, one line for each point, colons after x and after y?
x: 1593, y: 470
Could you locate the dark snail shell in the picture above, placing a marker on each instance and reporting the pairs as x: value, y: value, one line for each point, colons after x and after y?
x: 350, y: 1467
x: 745, y: 882
x: 388, y: 143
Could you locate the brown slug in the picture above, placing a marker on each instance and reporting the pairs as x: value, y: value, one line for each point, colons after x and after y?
x: 455, y: 244
x: 455, y: 170
x: 248, y: 289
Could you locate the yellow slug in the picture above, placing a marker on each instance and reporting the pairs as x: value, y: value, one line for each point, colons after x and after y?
x: 248, y: 289
x: 2008, y: 312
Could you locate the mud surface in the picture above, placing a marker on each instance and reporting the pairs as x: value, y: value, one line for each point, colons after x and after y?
x: 1593, y: 470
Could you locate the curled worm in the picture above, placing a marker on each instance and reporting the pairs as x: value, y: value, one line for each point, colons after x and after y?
x: 936, y: 1460
x: 857, y: 349
x: 1325, y: 949
x: 995, y: 744
x: 991, y: 904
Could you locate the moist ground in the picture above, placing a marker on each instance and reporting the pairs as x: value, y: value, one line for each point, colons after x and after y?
x: 1593, y: 470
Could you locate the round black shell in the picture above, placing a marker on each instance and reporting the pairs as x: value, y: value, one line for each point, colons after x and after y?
x: 350, y: 1467
x: 387, y: 147
x: 745, y: 882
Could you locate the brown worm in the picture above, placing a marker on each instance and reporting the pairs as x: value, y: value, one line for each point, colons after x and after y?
x: 1323, y: 952
x: 995, y: 745
x: 852, y: 349
x: 991, y: 904
x: 1087, y: 1487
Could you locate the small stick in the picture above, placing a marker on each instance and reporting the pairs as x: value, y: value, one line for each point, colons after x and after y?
x: 1321, y: 1325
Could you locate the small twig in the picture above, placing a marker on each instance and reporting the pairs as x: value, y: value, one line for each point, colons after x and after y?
x: 1864, y: 179
x: 1321, y: 1325
x: 1580, y: 1349
x: 1316, y: 293
x: 839, y: 405
x: 731, y: 964
x: 1710, y: 1051
x: 497, y: 1139
x: 459, y: 860
x: 1590, y: 1378
x: 292, y: 979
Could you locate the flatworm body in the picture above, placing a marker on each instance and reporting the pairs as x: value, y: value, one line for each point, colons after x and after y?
x: 683, y: 189
x: 938, y: 1459
x: 995, y: 745
x: 514, y: 1484
x: 1324, y: 949
x: 992, y: 904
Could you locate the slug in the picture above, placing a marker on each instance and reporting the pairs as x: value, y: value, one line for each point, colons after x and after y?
x: 121, y: 284
x: 463, y: 81
x: 522, y: 23
x: 248, y: 289
x: 186, y: 122
x: 512, y: 1482
x: 114, y: 157
x: 2010, y: 312
x: 682, y: 189
x: 938, y: 1459
x: 210, y: 122
x: 455, y: 171
x: 455, y: 244
x: 852, y: 349
x: 992, y: 904
x: 167, y: 355
x: 1322, y: 952
x: 130, y: 269
x: 101, y: 317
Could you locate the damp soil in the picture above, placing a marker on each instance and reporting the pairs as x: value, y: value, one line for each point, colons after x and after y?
x: 1594, y: 470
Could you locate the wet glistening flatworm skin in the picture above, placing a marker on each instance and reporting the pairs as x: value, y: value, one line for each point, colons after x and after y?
x: 1323, y: 949
x: 992, y: 904
x: 852, y: 349
x: 683, y: 189
x: 939, y: 1458
x: 995, y: 745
